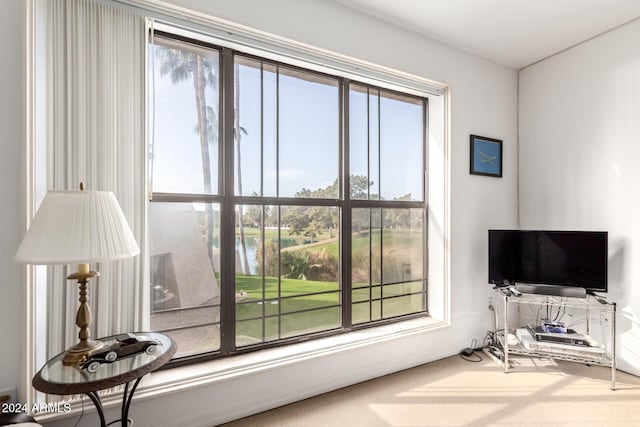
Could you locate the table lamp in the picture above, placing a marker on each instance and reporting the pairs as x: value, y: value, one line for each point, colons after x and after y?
x: 78, y: 227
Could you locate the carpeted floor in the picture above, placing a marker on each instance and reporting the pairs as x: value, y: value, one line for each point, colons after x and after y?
x: 455, y: 392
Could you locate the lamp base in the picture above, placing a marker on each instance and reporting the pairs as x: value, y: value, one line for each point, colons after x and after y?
x: 80, y: 352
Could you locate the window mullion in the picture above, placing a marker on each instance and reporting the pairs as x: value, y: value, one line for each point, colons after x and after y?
x: 368, y: 143
x: 277, y: 131
x: 425, y: 195
x: 279, y: 271
x: 227, y: 217
x: 261, y: 129
x: 345, y: 233
x: 379, y: 148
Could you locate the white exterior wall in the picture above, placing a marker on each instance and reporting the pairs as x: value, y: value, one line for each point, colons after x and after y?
x: 579, y: 157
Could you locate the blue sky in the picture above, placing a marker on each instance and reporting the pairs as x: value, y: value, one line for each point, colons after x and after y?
x: 308, y: 138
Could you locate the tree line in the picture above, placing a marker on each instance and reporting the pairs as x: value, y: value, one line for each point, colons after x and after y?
x: 312, y: 221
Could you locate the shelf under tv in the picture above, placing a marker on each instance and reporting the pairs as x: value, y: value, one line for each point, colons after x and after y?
x: 517, y: 348
x: 512, y: 345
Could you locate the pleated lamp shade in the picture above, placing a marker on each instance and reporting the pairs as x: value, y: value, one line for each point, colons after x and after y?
x: 76, y: 227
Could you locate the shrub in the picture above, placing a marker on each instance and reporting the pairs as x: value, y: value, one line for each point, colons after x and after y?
x: 300, y: 264
x: 310, y: 265
x: 270, y: 259
x: 392, y: 267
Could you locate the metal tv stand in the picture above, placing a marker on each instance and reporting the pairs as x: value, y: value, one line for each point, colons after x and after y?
x: 589, y: 302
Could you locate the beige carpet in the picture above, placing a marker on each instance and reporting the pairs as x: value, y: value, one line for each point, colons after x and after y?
x: 454, y: 392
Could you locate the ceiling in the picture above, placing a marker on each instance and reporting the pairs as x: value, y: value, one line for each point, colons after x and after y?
x: 515, y: 33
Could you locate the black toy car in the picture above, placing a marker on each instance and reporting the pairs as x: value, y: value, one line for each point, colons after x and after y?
x: 125, y: 345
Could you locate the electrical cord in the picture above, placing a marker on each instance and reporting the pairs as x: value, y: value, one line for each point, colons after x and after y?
x: 81, y: 414
x: 496, y: 351
x: 489, y: 339
x: 478, y: 357
x: 471, y: 351
x: 535, y: 312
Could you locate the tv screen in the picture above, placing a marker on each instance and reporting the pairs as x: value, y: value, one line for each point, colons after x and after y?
x: 565, y: 258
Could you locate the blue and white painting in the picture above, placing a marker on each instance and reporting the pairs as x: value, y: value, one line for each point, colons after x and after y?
x: 486, y: 157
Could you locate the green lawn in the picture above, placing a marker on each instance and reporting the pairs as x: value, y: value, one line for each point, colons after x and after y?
x: 252, y: 285
x: 326, y: 313
x: 274, y: 312
x: 399, y: 239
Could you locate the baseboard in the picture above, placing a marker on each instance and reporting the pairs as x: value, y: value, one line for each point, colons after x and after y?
x: 305, y: 390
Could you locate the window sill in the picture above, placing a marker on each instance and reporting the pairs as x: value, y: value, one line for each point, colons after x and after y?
x: 185, y: 377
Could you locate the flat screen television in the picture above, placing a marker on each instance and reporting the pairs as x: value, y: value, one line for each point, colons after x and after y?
x: 563, y: 258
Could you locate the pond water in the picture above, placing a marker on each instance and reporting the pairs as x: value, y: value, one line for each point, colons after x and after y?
x: 252, y: 248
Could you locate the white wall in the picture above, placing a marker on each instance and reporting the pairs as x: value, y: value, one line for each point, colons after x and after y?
x: 483, y: 96
x: 12, y: 27
x: 579, y: 157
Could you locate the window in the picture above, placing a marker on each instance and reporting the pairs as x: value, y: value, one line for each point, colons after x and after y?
x: 387, y: 163
x: 184, y: 232
x: 286, y: 203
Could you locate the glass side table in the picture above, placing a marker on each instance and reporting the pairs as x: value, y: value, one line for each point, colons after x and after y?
x: 56, y: 378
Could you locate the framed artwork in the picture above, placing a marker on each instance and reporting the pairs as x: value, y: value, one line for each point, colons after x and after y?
x: 485, y: 156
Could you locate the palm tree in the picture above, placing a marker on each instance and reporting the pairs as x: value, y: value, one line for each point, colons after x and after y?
x: 237, y: 133
x: 182, y: 65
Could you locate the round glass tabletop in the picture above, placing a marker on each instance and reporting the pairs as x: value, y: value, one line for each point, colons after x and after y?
x: 123, y: 358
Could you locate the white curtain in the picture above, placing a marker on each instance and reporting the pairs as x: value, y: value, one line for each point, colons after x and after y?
x: 95, y: 134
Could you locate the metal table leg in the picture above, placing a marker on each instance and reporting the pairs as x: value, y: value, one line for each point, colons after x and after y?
x: 613, y: 346
x: 127, y: 397
x: 506, y: 334
x: 126, y: 402
x: 98, y: 404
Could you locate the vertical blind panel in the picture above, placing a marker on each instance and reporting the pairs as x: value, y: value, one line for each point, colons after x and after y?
x: 95, y: 134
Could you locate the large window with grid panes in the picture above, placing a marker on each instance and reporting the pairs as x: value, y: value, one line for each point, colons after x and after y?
x: 285, y: 203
